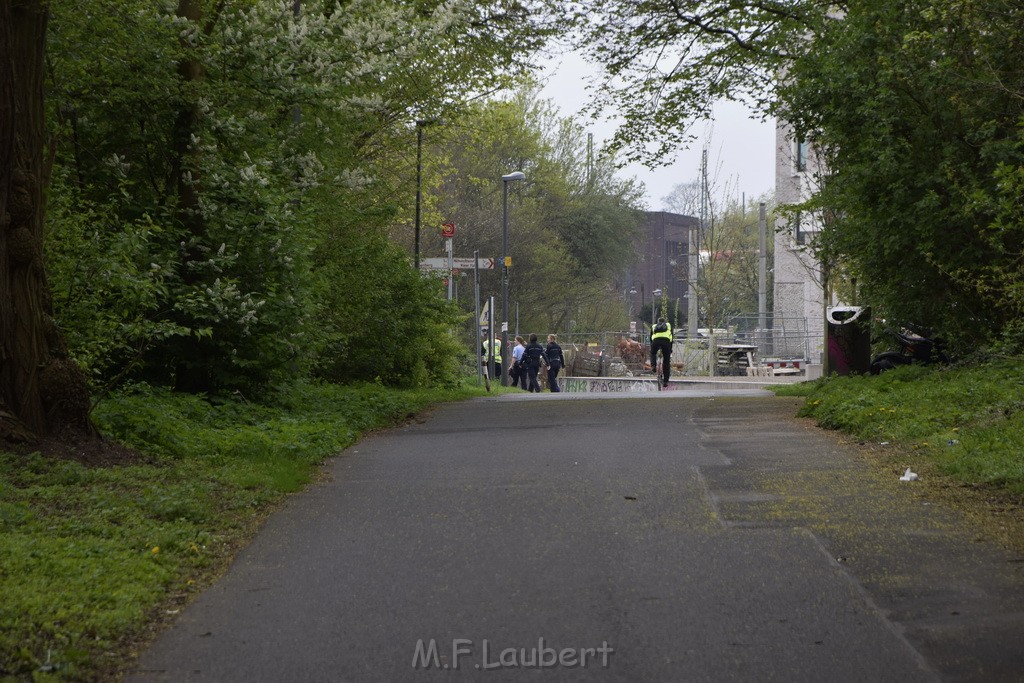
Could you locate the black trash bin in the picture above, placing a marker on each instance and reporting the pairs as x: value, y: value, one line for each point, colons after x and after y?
x: 848, y: 339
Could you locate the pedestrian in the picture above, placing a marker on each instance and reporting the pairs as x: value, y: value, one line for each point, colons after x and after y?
x: 556, y: 361
x: 517, y: 363
x: 534, y: 356
x: 495, y: 348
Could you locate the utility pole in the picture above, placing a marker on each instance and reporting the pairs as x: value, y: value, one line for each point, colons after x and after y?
x: 590, y: 162
x: 693, y: 262
x: 762, y: 268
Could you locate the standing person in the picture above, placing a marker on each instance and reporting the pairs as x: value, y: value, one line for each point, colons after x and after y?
x: 661, y: 340
x: 496, y: 354
x: 517, y: 363
x: 533, y: 356
x: 556, y: 361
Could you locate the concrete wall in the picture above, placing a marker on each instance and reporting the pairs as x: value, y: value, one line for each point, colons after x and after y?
x: 797, y: 286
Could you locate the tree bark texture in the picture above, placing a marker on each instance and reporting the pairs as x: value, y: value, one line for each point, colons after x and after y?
x: 41, y: 390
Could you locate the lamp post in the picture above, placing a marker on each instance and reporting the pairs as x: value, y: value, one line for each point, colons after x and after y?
x: 655, y: 294
x: 643, y: 302
x: 420, y: 125
x: 505, y: 180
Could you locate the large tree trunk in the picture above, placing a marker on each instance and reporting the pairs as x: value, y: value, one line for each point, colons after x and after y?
x: 41, y: 390
x: 190, y: 376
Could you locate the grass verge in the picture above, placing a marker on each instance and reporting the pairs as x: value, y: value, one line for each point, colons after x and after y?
x: 92, y: 558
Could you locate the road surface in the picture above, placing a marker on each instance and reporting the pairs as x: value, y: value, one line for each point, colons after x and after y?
x: 682, y: 536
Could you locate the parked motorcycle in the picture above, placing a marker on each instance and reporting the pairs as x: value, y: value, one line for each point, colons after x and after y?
x: 915, y: 347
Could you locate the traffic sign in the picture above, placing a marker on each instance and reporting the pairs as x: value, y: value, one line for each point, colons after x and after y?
x: 460, y: 263
x: 447, y: 230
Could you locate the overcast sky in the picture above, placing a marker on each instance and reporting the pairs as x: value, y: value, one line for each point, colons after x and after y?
x: 741, y: 149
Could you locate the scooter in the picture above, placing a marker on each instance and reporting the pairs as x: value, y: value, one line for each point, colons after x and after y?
x: 914, y: 348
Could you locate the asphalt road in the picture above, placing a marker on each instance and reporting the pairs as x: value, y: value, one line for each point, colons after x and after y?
x: 682, y: 536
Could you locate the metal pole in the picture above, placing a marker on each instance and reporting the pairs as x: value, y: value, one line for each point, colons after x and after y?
x: 490, y: 337
x: 419, y: 192
x: 643, y: 303
x: 476, y: 316
x: 451, y: 266
x: 762, y: 268
x: 505, y: 180
x: 504, y: 281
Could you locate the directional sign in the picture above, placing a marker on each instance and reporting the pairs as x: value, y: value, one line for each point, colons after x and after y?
x: 441, y: 263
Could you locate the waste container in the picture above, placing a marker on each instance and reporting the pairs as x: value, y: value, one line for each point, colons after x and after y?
x: 848, y: 339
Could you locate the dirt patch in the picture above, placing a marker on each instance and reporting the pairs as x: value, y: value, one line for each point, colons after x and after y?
x: 89, y: 450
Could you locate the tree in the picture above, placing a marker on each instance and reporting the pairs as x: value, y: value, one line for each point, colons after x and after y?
x: 666, y: 62
x: 228, y: 143
x: 42, y: 391
x: 572, y: 223
x: 684, y: 199
x: 916, y: 110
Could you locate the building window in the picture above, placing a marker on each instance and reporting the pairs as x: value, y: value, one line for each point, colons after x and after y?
x: 799, y: 234
x: 800, y: 155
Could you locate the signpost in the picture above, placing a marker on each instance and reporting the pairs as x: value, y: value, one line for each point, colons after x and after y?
x: 442, y: 263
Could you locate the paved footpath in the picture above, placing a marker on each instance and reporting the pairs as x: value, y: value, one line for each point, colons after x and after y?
x: 683, y: 536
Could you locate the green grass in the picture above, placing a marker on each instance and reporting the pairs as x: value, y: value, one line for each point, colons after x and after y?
x: 966, y: 421
x: 90, y: 555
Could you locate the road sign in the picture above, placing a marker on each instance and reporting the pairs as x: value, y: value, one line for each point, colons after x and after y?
x: 441, y: 263
x: 447, y: 230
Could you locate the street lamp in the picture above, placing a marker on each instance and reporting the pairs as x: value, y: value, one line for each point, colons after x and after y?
x: 420, y: 125
x: 505, y: 180
x: 656, y: 293
x: 643, y: 302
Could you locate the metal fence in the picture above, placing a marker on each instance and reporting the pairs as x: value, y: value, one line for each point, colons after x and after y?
x: 615, y: 354
x: 783, y: 338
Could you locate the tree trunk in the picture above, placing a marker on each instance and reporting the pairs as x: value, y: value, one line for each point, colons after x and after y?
x: 41, y: 390
x: 190, y: 376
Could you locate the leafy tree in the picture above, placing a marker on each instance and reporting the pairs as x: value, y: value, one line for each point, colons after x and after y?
x: 571, y: 224
x: 730, y: 252
x: 226, y: 142
x: 667, y: 62
x: 916, y: 109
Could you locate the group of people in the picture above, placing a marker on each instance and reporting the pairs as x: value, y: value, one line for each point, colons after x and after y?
x: 527, y: 360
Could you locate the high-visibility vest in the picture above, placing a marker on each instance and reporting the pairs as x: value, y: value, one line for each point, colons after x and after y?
x: 667, y: 334
x: 496, y: 350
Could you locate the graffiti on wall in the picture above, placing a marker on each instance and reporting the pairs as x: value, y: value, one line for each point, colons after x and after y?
x: 607, y: 385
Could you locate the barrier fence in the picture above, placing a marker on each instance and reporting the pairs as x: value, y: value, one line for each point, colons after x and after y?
x: 783, y: 346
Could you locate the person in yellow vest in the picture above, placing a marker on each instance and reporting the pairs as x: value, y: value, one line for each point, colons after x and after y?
x: 496, y: 352
x: 661, y: 340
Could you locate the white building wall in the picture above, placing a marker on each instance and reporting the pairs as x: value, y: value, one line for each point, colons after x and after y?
x: 798, y: 293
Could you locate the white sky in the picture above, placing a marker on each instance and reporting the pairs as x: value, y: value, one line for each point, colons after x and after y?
x: 740, y: 149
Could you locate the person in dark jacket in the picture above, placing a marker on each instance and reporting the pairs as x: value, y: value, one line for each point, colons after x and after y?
x: 556, y: 361
x: 534, y: 356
